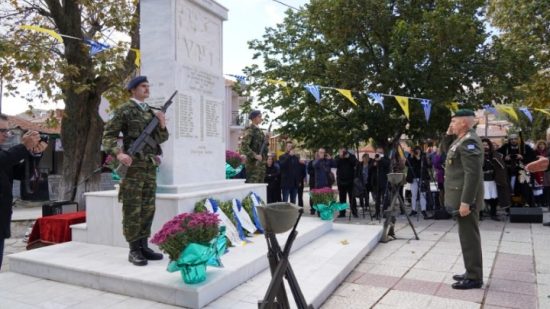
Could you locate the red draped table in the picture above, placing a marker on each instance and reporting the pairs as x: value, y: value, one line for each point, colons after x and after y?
x: 54, y: 229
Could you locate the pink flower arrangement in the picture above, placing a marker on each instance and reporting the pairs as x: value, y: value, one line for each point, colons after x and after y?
x: 184, y: 229
x: 233, y: 158
x: 322, y: 196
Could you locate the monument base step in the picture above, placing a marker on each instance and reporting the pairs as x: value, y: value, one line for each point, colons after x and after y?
x: 324, y: 255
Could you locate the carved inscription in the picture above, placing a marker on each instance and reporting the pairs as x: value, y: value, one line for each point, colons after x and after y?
x: 185, y: 127
x: 212, y: 113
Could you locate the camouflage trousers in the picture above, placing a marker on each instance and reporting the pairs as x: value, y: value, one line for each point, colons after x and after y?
x: 255, y: 172
x: 137, y: 195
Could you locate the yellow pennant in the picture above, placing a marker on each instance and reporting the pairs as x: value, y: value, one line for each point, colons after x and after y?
x: 508, y: 110
x: 277, y: 82
x: 52, y: 33
x: 543, y: 111
x: 453, y: 106
x: 137, y: 62
x: 347, y: 94
x: 404, y: 103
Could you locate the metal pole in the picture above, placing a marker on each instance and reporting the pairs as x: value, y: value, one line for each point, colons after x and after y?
x: 486, y: 123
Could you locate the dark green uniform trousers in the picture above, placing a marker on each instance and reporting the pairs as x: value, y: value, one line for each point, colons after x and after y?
x: 137, y: 194
x: 255, y: 172
x: 470, y: 241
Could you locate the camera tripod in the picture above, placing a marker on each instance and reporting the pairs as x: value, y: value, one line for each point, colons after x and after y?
x: 395, y: 180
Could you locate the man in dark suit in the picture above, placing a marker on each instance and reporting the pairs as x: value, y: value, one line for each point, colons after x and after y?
x: 464, y: 194
x: 10, y: 160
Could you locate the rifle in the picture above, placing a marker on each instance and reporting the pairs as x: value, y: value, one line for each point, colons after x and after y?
x: 264, y: 143
x: 145, y: 136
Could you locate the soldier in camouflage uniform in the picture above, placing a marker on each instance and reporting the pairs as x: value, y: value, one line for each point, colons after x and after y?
x: 251, y: 146
x: 138, y: 188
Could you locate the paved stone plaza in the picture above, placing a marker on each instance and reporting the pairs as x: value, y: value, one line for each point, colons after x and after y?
x: 404, y: 273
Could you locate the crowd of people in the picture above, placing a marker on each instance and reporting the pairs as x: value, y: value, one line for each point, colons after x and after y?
x: 361, y: 182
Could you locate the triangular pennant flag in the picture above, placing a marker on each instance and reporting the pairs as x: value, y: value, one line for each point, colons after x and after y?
x: 508, y: 110
x: 96, y: 47
x: 347, y: 94
x: 404, y: 103
x: 277, y: 82
x: 527, y: 113
x: 427, y: 105
x: 52, y: 33
x: 315, y: 91
x: 377, y: 98
x: 542, y: 111
x: 240, y: 78
x: 490, y: 109
x: 137, y: 62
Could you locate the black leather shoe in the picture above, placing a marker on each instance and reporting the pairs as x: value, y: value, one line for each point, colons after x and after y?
x: 413, y: 213
x: 136, y: 257
x: 341, y: 216
x: 459, y: 277
x: 467, y: 284
x: 546, y: 223
x: 148, y: 253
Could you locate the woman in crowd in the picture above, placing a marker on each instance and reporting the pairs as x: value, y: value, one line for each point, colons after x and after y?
x: 495, y: 177
x: 361, y: 181
x: 438, y: 159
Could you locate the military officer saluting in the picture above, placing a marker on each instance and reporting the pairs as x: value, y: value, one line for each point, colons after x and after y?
x: 138, y: 188
x: 251, y: 147
x: 464, y: 192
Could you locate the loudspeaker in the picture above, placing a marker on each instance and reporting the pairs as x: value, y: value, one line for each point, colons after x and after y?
x: 59, y: 207
x: 526, y: 214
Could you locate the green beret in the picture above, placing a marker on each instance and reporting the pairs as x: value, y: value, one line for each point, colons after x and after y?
x: 253, y: 114
x: 136, y: 81
x: 464, y: 112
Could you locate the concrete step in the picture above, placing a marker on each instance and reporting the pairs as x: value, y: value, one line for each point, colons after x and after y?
x: 319, y: 267
x: 106, y: 268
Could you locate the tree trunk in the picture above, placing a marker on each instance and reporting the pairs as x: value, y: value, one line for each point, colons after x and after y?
x: 81, y: 137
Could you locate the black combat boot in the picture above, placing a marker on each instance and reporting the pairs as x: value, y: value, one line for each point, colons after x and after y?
x: 136, y: 257
x: 148, y: 253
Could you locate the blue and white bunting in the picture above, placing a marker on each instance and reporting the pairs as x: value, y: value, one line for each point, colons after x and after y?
x: 490, y: 109
x: 377, y: 98
x: 427, y: 106
x: 240, y: 78
x: 96, y: 47
x: 315, y: 91
x: 527, y: 113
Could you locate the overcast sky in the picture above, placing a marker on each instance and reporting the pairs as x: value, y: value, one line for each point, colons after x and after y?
x: 247, y: 20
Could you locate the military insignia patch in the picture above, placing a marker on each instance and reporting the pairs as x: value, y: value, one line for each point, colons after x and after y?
x: 471, y: 147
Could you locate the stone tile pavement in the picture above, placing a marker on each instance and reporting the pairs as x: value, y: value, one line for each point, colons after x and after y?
x: 404, y: 273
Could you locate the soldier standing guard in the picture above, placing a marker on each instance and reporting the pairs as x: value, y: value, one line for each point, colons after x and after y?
x: 251, y: 147
x: 138, y: 188
x: 464, y: 192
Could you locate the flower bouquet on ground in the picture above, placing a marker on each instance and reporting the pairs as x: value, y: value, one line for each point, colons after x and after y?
x: 324, y: 202
x: 233, y: 164
x: 192, y: 240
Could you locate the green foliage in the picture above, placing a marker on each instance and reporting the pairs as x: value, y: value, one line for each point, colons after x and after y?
x: 421, y: 49
x: 199, y: 206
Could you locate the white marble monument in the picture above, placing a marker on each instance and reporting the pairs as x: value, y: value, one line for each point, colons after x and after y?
x: 181, y: 49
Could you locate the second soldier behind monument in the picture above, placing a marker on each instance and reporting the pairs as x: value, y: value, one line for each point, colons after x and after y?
x: 251, y: 146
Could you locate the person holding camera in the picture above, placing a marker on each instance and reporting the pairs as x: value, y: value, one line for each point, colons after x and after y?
x: 517, y: 154
x: 345, y: 173
x: 12, y: 167
x: 291, y: 173
x: 378, y: 177
x: 322, y: 169
x: 418, y: 177
x: 464, y: 194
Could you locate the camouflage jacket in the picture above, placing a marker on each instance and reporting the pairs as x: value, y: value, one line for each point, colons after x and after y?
x: 131, y: 120
x: 252, y: 141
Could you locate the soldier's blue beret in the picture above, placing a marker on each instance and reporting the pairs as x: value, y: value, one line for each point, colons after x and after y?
x: 253, y: 114
x: 464, y: 112
x: 136, y: 81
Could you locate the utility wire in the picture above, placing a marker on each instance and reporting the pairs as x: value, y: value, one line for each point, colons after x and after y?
x: 289, y: 6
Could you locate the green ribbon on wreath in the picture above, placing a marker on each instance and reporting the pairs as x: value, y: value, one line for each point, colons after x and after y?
x: 327, y: 211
